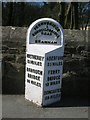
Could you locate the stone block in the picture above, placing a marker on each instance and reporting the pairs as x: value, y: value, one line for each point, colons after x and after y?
x: 5, y: 48
x: 9, y: 57
x: 13, y: 51
x: 6, y: 32
x: 18, y: 32
x: 21, y: 59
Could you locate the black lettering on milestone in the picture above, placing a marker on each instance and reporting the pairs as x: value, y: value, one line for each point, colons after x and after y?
x: 36, y: 83
x: 28, y: 81
x: 51, y: 91
x: 34, y: 71
x: 41, y: 23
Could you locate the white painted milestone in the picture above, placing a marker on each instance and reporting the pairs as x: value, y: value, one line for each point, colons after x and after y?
x: 44, y: 62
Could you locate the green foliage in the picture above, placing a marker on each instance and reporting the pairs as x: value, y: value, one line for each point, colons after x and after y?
x: 69, y: 15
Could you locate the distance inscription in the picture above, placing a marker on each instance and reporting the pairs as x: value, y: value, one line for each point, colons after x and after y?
x: 52, y: 91
x: 34, y: 83
x: 52, y: 96
x: 34, y: 59
x: 52, y: 83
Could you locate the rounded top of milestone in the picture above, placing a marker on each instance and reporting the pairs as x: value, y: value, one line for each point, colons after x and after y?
x: 45, y: 31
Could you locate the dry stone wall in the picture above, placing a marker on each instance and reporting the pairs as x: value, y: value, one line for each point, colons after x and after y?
x: 76, y: 59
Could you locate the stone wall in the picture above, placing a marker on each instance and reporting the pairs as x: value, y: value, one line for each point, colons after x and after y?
x: 76, y: 59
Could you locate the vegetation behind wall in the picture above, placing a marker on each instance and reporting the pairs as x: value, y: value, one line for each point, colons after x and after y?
x: 72, y: 15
